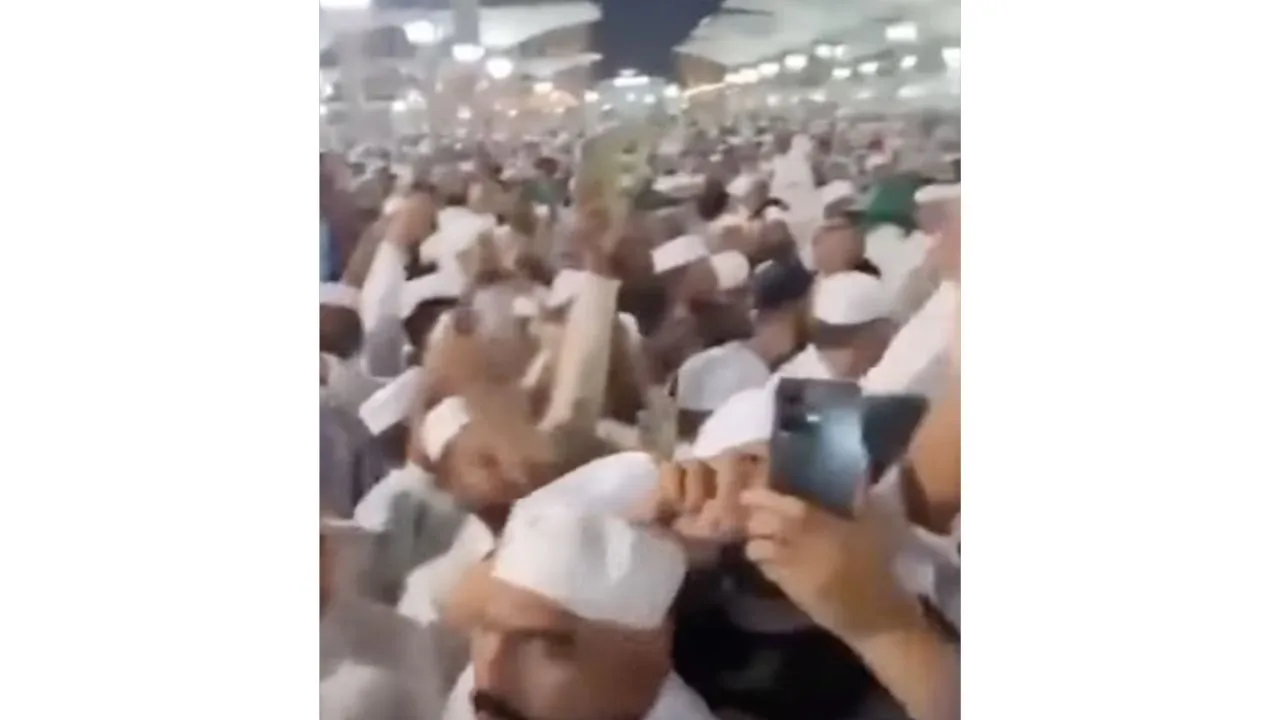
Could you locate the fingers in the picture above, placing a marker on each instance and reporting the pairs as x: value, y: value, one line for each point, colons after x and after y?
x: 698, y: 485
x: 768, y: 500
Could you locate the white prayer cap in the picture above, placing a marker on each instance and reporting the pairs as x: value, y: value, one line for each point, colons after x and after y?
x: 741, y: 185
x: 339, y: 295
x: 596, y: 566
x: 837, y: 190
x: 567, y: 285
x: 744, y: 418
x: 678, y: 253
x: 850, y: 298
x: 446, y: 283
x: 937, y: 192
x: 391, y: 403
x: 708, y: 379
x: 876, y: 160
x: 612, y: 485
x: 442, y: 424
x: 773, y: 213
x: 731, y: 268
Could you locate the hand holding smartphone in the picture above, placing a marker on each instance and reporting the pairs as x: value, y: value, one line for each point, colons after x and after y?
x: 830, y: 441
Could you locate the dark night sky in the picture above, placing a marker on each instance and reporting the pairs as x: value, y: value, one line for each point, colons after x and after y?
x: 641, y: 33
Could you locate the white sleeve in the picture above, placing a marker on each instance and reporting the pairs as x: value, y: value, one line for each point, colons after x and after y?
x: 380, y: 296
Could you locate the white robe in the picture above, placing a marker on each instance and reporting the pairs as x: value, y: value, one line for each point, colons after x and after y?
x: 348, y: 385
x: 376, y: 665
x: 918, y: 360
x: 807, y: 364
x: 708, y: 378
x: 414, y: 520
x: 429, y: 586
x: 676, y: 701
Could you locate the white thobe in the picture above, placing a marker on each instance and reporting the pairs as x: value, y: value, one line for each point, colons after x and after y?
x: 380, y: 310
x: 808, y: 364
x: 415, y: 520
x: 918, y: 360
x: 348, y: 385
x: 430, y: 585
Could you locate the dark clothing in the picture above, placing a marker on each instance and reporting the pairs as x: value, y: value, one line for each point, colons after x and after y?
x: 803, y: 675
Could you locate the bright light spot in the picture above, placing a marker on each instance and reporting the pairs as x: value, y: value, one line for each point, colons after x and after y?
x: 824, y: 51
x: 671, y: 91
x: 749, y: 75
x: 907, y: 62
x: 901, y: 32
x: 467, y: 53
x: 909, y: 91
x: 650, y: 99
x: 869, y: 67
x: 464, y: 113
x: 499, y: 68
x: 841, y: 73
x: 795, y: 62
x: 591, y: 96
x: 324, y: 110
x: 951, y: 56
x: 818, y: 96
x: 631, y: 97
x: 512, y: 113
x: 841, y: 51
x: 632, y: 80
x: 771, y: 101
x: 627, y: 72
x: 422, y: 32
x: 769, y: 69
x: 544, y: 87
x: 399, y: 106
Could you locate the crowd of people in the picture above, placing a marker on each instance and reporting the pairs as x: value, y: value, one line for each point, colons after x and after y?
x: 545, y: 423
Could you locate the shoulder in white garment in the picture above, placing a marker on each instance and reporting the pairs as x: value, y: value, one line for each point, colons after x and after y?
x: 916, y: 360
x: 676, y: 701
x: 429, y: 585
x: 807, y: 364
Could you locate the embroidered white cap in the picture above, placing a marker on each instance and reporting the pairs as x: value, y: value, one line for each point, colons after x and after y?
x: 678, y: 252
x: 392, y: 402
x: 446, y: 283
x: 565, y: 287
x: 837, y: 190
x: 442, y: 424
x: 731, y: 268
x: 850, y: 298
x: 339, y: 295
x: 937, y: 192
x: 596, y: 566
x: 746, y: 417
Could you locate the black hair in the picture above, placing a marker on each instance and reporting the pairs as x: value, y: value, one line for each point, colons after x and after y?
x: 780, y: 283
x: 341, y: 333
x: 418, y: 325
x: 713, y: 201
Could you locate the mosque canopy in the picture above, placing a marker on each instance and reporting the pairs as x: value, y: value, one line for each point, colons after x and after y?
x: 750, y: 31
x: 502, y: 26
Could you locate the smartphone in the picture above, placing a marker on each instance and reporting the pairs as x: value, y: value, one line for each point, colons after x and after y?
x: 829, y: 440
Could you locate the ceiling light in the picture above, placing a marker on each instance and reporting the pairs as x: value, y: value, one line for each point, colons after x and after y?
x: 907, y: 62
x: 769, y: 69
x: 951, y: 56
x: 422, y: 32
x: 901, y: 32
x: 795, y: 62
x: 467, y: 52
x: 869, y: 67
x: 841, y: 73
x: 499, y: 68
